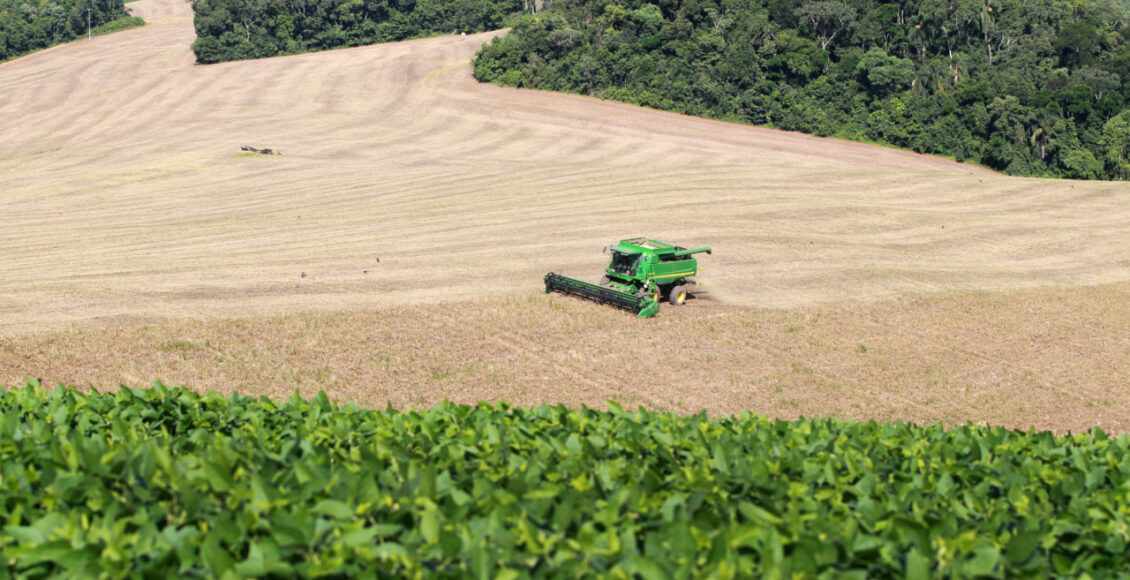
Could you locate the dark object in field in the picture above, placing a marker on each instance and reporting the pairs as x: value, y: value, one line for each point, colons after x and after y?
x: 266, y: 151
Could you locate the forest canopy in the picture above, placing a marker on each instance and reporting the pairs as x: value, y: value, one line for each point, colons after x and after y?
x: 27, y: 25
x: 1033, y: 87
x: 240, y: 29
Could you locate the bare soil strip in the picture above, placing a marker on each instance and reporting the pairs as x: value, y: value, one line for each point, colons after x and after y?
x: 405, y: 189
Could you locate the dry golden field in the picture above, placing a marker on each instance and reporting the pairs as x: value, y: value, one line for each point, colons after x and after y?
x: 393, y: 252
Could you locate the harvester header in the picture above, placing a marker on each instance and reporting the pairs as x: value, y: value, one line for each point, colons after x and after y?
x: 641, y: 273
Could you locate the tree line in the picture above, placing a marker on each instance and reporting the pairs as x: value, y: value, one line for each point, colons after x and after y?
x: 30, y: 25
x: 1028, y: 87
x: 240, y: 29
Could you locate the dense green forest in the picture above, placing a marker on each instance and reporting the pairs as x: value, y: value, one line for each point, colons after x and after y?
x: 1034, y: 87
x: 28, y: 25
x: 239, y: 29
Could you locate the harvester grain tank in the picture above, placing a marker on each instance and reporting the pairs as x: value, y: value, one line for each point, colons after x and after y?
x: 641, y: 272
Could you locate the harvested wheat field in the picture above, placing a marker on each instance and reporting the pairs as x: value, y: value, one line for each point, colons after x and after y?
x: 393, y: 252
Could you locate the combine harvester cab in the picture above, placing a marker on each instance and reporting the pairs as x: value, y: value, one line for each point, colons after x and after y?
x: 641, y: 272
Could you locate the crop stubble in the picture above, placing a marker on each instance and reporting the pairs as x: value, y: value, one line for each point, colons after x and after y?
x: 1045, y: 358
x: 404, y: 184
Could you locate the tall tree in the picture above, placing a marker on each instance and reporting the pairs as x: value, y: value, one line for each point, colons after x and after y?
x: 827, y: 19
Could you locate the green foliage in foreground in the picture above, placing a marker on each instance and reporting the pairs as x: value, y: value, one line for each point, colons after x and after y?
x: 29, y: 26
x: 165, y: 482
x: 1028, y: 87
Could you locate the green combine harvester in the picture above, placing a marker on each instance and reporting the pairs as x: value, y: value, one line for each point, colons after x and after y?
x: 641, y: 272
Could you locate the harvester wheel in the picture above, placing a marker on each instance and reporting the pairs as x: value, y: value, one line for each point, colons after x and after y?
x: 678, y: 296
x: 604, y: 280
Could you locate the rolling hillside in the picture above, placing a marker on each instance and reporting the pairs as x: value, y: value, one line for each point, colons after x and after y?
x: 405, y: 188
